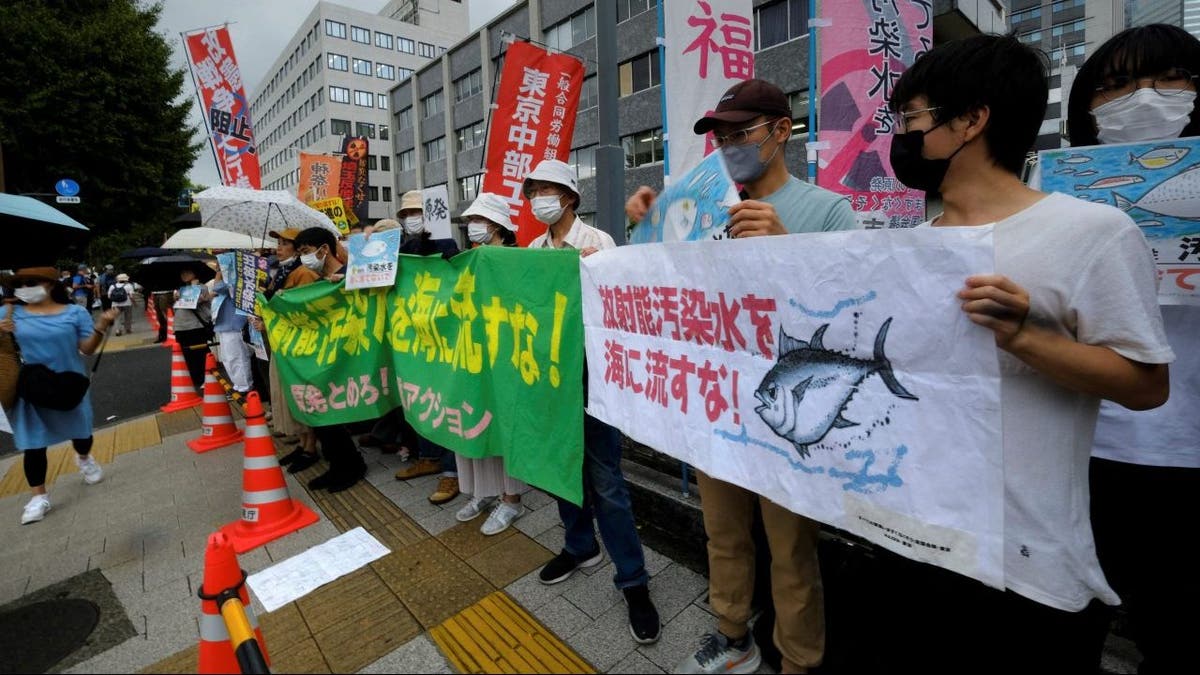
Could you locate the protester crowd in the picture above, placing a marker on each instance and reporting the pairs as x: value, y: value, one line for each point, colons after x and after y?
x: 1071, y: 352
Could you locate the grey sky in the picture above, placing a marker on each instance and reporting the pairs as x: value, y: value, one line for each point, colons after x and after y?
x: 259, y: 30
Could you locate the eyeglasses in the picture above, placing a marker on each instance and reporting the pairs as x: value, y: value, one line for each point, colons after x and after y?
x: 902, y: 117
x: 1173, y: 82
x: 741, y: 136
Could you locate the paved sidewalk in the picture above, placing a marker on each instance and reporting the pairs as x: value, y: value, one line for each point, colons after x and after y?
x: 447, y: 599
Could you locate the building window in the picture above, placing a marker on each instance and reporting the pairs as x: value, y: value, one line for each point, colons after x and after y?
x: 798, y: 102
x: 470, y: 136
x: 468, y: 188
x: 338, y: 62
x: 425, y: 49
x: 365, y: 99
x: 372, y: 165
x: 387, y: 191
x: 574, y: 30
x: 1027, y: 14
x: 404, y: 119
x: 364, y: 129
x: 627, y: 9
x: 643, y: 148
x: 385, y: 164
x: 583, y: 160
x: 1064, y: 5
x: 335, y: 29
x: 404, y: 161
x: 589, y: 94
x: 431, y: 105
x: 339, y: 127
x: 360, y: 35
x: 468, y: 85
x: 372, y: 192
x: 640, y: 73
x: 381, y: 101
x: 1031, y: 38
x: 383, y: 40
x: 339, y: 95
x: 362, y: 67
x: 780, y: 21
x: 385, y: 72
x: 1065, y: 28
x: 435, y: 149
x: 405, y: 45
x: 404, y: 73
x: 383, y: 132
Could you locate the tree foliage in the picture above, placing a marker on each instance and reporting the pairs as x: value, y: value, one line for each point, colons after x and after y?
x: 88, y: 92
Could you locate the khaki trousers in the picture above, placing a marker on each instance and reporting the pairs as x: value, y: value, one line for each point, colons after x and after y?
x: 795, y: 572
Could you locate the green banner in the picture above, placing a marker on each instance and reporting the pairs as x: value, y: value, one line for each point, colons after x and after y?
x: 484, y: 353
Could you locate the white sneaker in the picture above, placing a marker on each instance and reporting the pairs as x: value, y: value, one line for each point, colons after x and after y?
x: 717, y: 655
x: 502, y: 516
x: 92, y: 473
x: 35, y: 510
x: 473, y: 508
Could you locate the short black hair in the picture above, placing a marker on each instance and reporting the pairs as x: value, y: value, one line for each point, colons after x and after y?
x: 315, y: 237
x: 59, y: 294
x: 1143, y: 51
x: 996, y: 71
x: 507, y: 236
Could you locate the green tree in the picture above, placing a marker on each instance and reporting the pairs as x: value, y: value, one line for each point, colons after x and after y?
x: 87, y: 91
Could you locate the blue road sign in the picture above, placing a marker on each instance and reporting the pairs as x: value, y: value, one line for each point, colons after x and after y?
x: 66, y: 187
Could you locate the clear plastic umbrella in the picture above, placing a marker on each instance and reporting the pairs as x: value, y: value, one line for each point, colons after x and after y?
x: 257, y: 212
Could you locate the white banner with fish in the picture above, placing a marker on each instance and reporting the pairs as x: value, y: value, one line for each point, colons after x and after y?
x: 1158, y: 185
x: 834, y: 373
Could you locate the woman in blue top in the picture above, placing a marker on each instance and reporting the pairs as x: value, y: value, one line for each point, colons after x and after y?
x: 51, y: 331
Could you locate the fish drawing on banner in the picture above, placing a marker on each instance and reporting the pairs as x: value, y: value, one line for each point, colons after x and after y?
x: 1159, y: 158
x: 1075, y: 159
x: 1177, y: 196
x: 805, y: 393
x: 1112, y: 182
x: 1083, y: 174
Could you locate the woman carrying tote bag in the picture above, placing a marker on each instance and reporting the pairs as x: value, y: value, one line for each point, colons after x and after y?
x: 51, y: 332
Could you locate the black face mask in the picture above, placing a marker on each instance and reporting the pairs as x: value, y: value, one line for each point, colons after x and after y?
x: 914, y: 170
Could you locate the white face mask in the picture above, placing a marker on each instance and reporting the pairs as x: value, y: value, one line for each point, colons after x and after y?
x: 31, y: 295
x: 478, y: 232
x: 1144, y: 115
x: 547, y: 209
x: 312, y: 262
x: 414, y: 224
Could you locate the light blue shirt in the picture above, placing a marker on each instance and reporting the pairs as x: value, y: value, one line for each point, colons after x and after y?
x: 807, y: 208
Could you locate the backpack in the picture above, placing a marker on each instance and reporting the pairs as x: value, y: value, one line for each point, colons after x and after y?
x: 118, y: 293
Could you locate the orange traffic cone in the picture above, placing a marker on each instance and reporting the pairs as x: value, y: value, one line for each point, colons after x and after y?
x: 219, y: 428
x: 221, y: 575
x: 268, y: 512
x: 183, y: 392
x: 170, y: 341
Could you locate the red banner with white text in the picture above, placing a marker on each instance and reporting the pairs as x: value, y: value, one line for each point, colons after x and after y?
x: 225, y: 109
x: 534, y: 120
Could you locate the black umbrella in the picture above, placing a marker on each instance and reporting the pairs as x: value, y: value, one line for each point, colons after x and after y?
x: 162, y: 273
x: 35, y: 232
x: 147, y: 252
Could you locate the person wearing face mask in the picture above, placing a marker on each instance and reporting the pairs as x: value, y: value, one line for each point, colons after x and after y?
x: 552, y: 191
x: 1072, y: 308
x: 1145, y: 467
x: 52, y: 331
x: 488, y: 221
x: 416, y: 239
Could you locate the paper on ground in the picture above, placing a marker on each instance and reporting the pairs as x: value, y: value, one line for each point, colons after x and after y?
x: 305, y: 572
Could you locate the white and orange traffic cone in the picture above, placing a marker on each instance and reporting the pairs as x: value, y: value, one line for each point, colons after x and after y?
x: 224, y: 592
x: 170, y: 341
x: 268, y: 513
x: 183, y: 392
x: 219, y: 430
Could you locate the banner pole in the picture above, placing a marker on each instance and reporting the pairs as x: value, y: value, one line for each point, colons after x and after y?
x: 610, y: 160
x: 814, y: 91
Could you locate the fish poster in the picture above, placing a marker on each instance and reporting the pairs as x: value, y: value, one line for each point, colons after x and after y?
x: 1158, y: 185
x: 693, y: 208
x: 833, y: 373
x: 373, y: 260
x: 189, y: 297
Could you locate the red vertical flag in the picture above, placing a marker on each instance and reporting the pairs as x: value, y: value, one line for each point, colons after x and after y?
x: 534, y: 120
x: 226, y: 111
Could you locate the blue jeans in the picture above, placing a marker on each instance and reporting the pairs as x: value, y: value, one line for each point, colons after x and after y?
x: 606, y: 498
x: 429, y: 450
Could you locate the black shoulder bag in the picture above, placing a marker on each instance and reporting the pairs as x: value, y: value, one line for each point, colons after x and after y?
x: 46, y: 388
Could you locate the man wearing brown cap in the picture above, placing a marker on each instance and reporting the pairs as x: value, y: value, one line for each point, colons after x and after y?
x: 751, y: 126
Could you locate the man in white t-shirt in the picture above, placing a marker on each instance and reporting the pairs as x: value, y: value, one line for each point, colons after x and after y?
x: 1072, y: 305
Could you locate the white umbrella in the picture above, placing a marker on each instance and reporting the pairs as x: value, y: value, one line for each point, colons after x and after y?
x: 211, y: 237
x: 257, y: 212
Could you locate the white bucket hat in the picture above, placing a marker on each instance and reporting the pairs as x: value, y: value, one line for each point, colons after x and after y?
x: 412, y: 200
x: 493, y: 207
x: 553, y: 171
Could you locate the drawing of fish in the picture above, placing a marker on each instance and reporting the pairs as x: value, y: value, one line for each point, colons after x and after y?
x: 1111, y: 182
x: 1075, y: 159
x: 1178, y: 196
x: 1149, y: 223
x: 1089, y: 172
x: 1159, y: 158
x: 806, y: 391
x: 1064, y: 170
